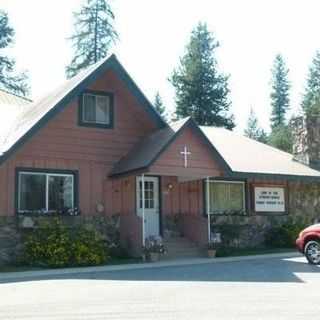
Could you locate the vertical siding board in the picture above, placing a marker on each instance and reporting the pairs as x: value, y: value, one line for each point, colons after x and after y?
x: 62, y: 144
x: 3, y: 188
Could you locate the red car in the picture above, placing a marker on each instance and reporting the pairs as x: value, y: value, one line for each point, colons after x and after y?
x: 308, y: 243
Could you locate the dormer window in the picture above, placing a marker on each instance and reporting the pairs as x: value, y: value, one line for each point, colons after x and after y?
x: 96, y: 109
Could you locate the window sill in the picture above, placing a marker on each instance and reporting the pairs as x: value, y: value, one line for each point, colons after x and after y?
x: 95, y: 125
x: 275, y: 214
x: 47, y: 214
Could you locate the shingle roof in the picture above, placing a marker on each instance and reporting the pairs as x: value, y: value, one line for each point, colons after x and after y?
x: 11, y: 106
x: 142, y: 155
x: 38, y: 113
x: 244, y: 155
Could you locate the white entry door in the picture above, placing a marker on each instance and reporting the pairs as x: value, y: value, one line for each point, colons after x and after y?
x: 151, y: 205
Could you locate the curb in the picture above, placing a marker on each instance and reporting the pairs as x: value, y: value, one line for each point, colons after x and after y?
x: 161, y: 264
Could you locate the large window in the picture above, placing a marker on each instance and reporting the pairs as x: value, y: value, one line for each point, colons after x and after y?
x: 225, y: 197
x: 96, y: 109
x: 45, y: 192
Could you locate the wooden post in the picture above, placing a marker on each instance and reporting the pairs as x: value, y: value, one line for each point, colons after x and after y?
x: 143, y: 207
x: 208, y: 208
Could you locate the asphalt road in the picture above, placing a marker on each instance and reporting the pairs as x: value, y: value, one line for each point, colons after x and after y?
x: 260, y: 289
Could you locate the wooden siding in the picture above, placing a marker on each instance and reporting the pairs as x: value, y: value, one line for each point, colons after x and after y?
x: 200, y: 162
x: 63, y: 144
x: 184, y: 198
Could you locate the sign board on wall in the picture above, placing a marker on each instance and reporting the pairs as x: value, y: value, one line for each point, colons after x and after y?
x: 269, y: 199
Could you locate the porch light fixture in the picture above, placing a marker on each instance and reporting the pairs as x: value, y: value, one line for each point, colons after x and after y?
x: 100, y: 207
x: 169, y: 186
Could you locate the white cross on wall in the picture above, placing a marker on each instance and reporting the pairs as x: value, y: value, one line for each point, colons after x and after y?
x: 185, y: 153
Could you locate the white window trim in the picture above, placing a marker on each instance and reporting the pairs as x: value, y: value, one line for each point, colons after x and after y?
x: 84, y: 106
x: 228, y: 182
x: 47, y: 175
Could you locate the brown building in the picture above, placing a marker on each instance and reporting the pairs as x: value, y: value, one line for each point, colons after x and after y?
x: 90, y: 148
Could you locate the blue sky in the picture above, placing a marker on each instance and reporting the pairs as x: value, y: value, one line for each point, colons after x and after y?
x: 153, y: 35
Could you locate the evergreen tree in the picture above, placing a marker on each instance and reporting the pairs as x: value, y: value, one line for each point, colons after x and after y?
x: 311, y: 98
x: 281, y: 138
x: 253, y: 131
x: 93, y: 37
x: 158, y: 105
x: 201, y: 91
x: 10, y: 80
x: 280, y: 92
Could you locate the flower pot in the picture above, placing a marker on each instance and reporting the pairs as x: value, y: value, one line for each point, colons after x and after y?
x: 154, y: 256
x: 212, y: 253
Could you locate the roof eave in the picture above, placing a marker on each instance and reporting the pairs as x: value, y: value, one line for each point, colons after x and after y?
x: 274, y: 176
x: 135, y: 171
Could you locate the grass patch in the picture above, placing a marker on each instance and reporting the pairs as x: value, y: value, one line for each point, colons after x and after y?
x: 234, y: 252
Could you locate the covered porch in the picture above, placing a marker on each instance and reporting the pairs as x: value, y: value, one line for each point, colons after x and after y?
x: 163, y: 183
x: 167, y: 206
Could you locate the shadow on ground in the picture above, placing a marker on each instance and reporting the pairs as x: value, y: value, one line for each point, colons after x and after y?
x: 271, y: 270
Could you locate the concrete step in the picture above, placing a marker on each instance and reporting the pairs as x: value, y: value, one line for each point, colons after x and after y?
x: 181, y: 255
x: 177, y: 240
x: 180, y: 247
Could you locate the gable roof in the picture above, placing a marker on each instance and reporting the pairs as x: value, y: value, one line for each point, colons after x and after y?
x: 238, y: 156
x: 37, y: 114
x: 149, y: 149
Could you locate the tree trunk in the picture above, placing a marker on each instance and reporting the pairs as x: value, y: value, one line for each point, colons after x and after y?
x: 96, y: 36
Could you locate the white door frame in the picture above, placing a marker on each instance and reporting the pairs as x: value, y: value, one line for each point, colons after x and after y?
x: 144, y: 212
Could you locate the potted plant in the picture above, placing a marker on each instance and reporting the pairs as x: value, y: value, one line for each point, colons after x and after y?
x: 212, y: 249
x: 153, y: 248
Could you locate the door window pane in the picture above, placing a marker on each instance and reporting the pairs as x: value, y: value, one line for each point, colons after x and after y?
x: 149, y: 202
x: 32, y: 192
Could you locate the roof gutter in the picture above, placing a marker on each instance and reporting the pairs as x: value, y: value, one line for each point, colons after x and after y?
x: 274, y: 176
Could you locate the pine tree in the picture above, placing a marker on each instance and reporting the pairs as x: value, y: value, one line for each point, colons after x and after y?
x: 201, y: 91
x: 10, y: 80
x: 253, y: 131
x: 280, y: 92
x: 311, y: 98
x: 158, y: 105
x: 94, y: 35
x: 281, y: 138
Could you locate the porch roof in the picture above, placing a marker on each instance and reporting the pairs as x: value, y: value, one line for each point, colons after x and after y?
x: 148, y: 149
x: 238, y: 156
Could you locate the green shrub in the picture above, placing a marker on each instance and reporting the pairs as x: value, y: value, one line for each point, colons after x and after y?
x: 54, y: 244
x: 284, y: 235
x: 88, y: 248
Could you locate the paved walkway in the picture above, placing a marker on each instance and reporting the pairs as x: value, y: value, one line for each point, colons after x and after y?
x: 173, y: 263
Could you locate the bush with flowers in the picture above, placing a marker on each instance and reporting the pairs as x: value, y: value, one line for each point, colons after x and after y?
x: 55, y: 244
